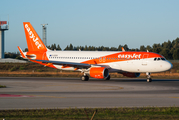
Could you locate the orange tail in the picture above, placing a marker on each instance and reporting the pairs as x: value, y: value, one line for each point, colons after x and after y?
x: 34, y: 42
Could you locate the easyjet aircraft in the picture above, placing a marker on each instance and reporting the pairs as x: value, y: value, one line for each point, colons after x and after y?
x: 97, y: 64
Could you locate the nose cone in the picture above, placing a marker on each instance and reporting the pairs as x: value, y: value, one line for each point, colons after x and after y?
x: 168, y: 65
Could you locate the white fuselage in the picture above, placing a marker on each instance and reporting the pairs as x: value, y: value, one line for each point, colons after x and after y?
x: 118, y: 64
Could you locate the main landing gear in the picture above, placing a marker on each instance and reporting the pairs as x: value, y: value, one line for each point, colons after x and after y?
x: 84, y: 78
x: 149, y: 79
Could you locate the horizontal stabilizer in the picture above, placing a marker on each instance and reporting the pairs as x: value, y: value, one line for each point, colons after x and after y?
x: 21, y: 52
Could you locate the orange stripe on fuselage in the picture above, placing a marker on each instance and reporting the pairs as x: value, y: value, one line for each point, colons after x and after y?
x: 123, y: 56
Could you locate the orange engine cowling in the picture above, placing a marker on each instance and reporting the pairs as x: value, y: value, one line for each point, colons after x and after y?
x: 99, y: 72
x: 132, y: 75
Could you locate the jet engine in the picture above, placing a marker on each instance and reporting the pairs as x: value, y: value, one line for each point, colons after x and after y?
x: 131, y: 75
x: 99, y: 72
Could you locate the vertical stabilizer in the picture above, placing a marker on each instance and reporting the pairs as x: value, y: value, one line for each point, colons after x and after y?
x: 34, y: 42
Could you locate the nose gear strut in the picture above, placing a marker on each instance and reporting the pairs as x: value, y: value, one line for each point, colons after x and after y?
x: 149, y: 79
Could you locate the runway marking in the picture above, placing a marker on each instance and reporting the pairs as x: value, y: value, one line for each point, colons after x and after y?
x: 93, y: 97
x: 10, y: 95
x: 48, y: 96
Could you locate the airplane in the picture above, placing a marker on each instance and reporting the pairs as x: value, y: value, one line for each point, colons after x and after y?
x: 97, y: 64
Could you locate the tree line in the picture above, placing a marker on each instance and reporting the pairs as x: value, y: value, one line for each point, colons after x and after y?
x: 169, y: 49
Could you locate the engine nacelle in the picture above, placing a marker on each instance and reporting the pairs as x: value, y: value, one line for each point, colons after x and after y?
x: 131, y: 75
x: 99, y: 72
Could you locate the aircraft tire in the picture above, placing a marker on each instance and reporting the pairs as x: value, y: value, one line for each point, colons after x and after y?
x: 149, y: 80
x: 84, y: 78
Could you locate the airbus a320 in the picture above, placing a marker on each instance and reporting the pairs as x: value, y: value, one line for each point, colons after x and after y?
x: 97, y: 64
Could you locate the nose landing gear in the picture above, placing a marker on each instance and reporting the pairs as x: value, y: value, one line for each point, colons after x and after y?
x: 149, y: 79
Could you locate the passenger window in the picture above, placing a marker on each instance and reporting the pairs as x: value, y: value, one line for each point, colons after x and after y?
x: 155, y: 59
x: 158, y: 59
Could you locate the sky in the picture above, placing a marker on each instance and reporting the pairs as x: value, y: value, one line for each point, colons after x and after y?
x: 108, y: 23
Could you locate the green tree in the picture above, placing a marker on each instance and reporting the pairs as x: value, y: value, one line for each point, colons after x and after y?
x: 166, y: 53
x: 167, y: 44
x: 120, y: 48
x: 71, y: 47
x: 126, y: 47
x: 58, y: 47
x: 67, y: 48
x: 149, y: 48
x: 55, y: 47
x: 26, y: 50
x: 156, y: 48
x: 113, y: 49
x: 105, y: 49
x: 86, y: 48
x: 176, y: 54
x: 142, y: 48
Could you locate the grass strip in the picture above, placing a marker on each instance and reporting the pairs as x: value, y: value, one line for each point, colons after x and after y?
x: 145, y: 113
x: 2, y: 86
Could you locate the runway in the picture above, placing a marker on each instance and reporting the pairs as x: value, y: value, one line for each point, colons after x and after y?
x: 36, y: 93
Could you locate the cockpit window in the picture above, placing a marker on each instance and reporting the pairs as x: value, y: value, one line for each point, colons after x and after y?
x: 163, y: 58
x: 159, y: 59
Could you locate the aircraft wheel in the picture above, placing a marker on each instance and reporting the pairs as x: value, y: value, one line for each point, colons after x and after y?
x: 149, y: 80
x: 84, y: 78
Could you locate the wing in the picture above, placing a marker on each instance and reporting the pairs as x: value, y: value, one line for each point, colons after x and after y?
x: 69, y: 64
x: 73, y: 64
